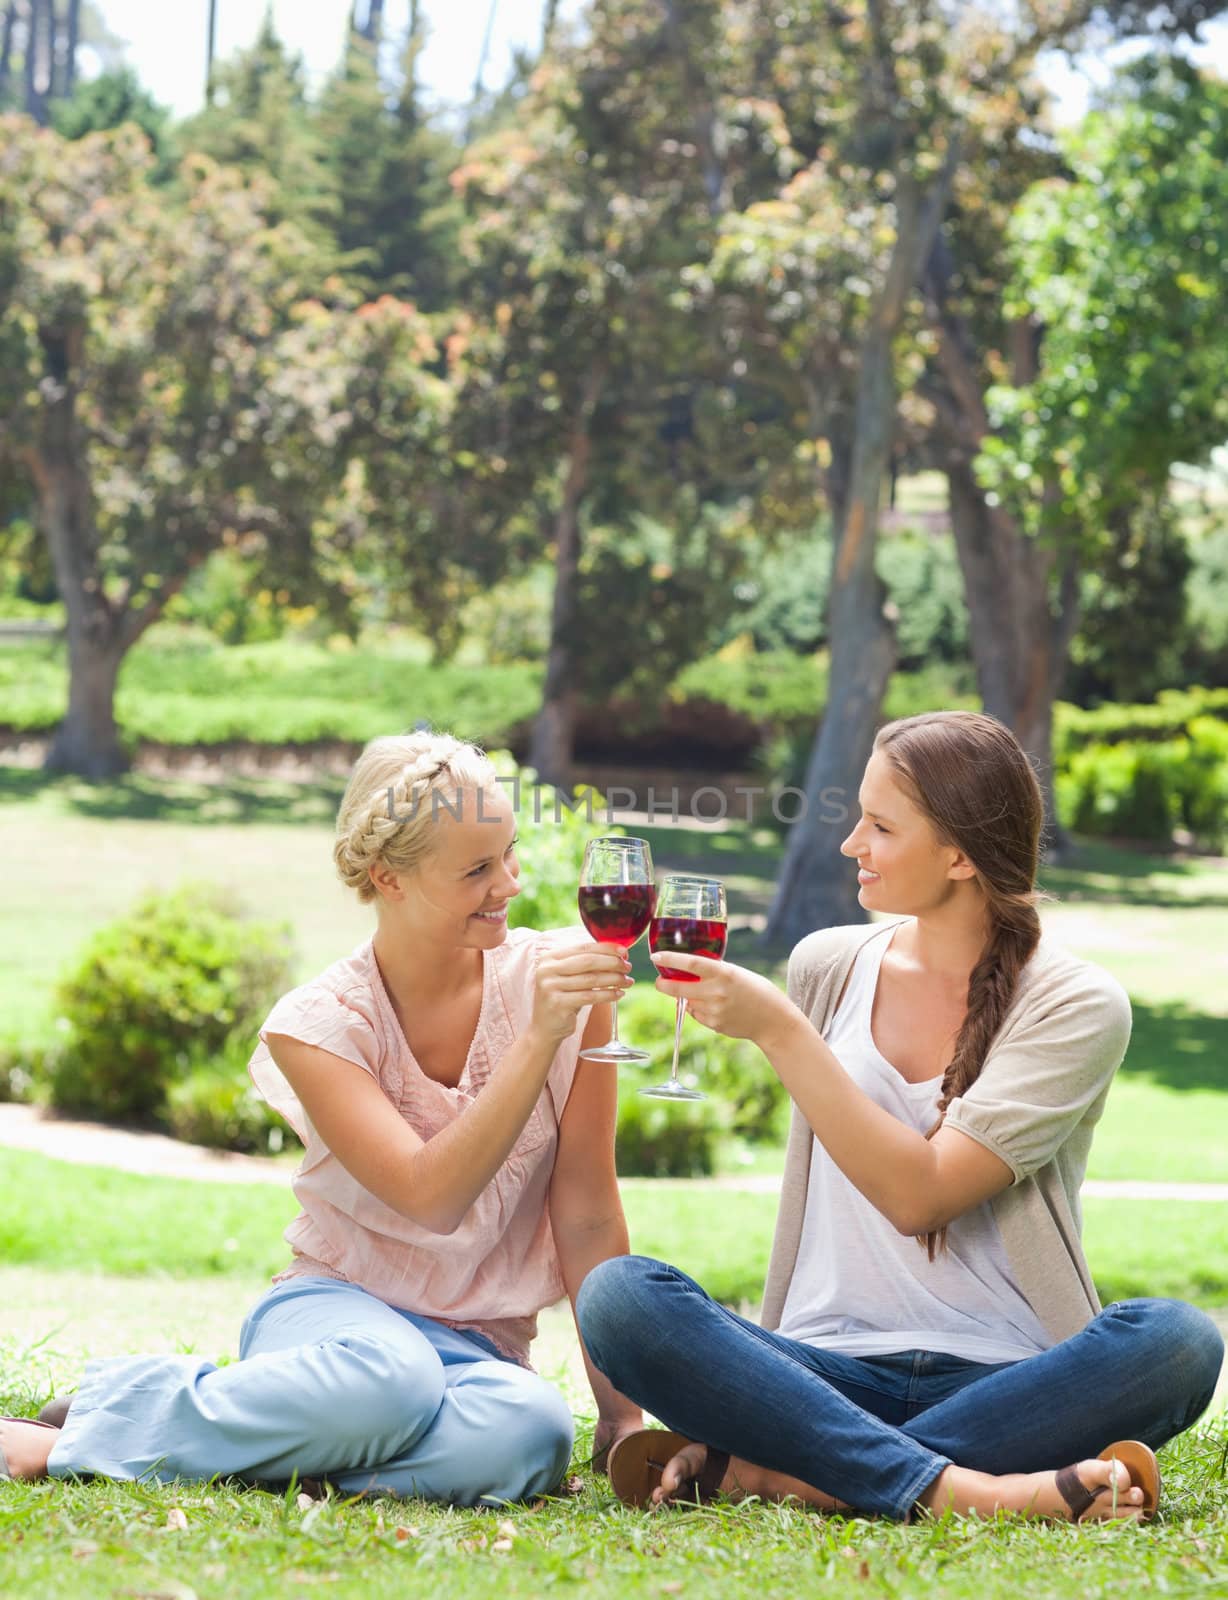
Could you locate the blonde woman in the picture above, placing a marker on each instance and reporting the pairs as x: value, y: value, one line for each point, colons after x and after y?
x: 931, y: 1337
x: 458, y: 1177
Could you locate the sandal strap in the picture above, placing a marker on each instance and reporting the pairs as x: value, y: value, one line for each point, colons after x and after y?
x: 1075, y: 1492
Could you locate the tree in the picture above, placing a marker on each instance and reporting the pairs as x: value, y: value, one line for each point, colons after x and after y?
x: 582, y: 219
x: 166, y: 389
x: 45, y: 36
x: 1119, y: 300
x: 396, y: 220
x: 260, y: 120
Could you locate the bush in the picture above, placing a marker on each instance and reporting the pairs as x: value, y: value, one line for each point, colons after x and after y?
x: 180, y: 983
x: 1137, y: 772
x: 657, y: 1139
x: 1124, y: 791
x: 217, y: 1105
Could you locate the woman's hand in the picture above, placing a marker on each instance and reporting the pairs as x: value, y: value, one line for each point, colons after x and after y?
x: 729, y: 999
x: 572, y: 976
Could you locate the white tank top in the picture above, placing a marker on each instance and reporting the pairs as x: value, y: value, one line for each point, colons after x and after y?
x: 861, y: 1287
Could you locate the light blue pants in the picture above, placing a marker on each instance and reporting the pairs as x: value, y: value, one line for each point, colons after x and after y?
x: 330, y: 1383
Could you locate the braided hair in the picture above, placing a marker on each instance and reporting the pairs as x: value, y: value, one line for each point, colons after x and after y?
x: 971, y: 778
x: 387, y: 810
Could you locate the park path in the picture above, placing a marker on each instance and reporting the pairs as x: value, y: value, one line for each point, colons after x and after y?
x: 155, y: 1155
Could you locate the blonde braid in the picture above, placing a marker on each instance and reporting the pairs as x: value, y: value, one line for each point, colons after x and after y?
x: 385, y: 816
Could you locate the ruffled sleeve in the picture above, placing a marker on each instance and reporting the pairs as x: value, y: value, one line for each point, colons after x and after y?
x: 317, y: 1016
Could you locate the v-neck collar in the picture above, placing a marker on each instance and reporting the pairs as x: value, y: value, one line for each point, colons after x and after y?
x: 397, y: 1032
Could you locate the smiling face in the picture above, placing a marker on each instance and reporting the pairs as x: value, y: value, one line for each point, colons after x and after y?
x: 460, y: 892
x: 903, y: 866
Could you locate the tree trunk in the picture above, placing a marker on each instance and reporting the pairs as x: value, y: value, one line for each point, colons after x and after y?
x: 98, y: 632
x: 709, y: 140
x: 74, y: 40
x: 1022, y: 613
x: 35, y: 106
x: 210, y: 51
x: 817, y: 887
x: 550, y: 15
x: 53, y: 54
x: 1022, y: 595
x: 552, y: 747
x: 6, y: 46
x: 87, y: 741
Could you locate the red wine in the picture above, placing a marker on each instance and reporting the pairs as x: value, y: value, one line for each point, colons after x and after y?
x: 616, y: 913
x: 690, y: 936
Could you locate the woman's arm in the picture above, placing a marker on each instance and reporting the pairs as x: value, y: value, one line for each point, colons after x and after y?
x: 918, y: 1184
x: 435, y: 1181
x: 586, y: 1213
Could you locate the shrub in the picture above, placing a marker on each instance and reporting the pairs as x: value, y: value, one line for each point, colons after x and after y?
x: 657, y: 1139
x: 180, y: 982
x: 1125, y: 791
x: 217, y: 1105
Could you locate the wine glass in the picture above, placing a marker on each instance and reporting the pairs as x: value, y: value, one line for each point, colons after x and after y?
x: 616, y: 900
x: 690, y: 917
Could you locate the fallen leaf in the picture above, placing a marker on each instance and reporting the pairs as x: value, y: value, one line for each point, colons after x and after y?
x: 863, y: 1570
x: 177, y: 1519
x: 304, y: 1502
x: 506, y: 1530
x: 406, y: 1533
x: 574, y: 1485
x: 501, y: 1546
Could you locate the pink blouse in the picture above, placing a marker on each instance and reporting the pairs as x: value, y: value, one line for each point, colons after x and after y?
x: 499, y: 1268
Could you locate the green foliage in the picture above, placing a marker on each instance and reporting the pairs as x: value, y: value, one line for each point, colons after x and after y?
x: 1137, y: 772
x: 1135, y: 591
x: 175, y: 986
x: 108, y: 101
x: 1123, y: 267
x: 226, y: 597
x: 217, y: 1105
x: 287, y: 691
x: 653, y: 599
x: 1124, y: 791
x: 659, y: 1140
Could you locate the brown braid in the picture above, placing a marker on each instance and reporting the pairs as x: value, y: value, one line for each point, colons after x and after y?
x: 971, y: 778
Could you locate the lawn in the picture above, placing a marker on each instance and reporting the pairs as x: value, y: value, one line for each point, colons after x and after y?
x: 105, y: 1265
x: 78, y: 854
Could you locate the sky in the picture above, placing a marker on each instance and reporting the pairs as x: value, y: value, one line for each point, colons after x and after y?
x: 166, y: 43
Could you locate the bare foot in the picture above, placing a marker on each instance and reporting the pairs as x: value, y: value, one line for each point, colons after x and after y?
x: 741, y: 1479
x: 1036, y: 1494
x: 26, y: 1446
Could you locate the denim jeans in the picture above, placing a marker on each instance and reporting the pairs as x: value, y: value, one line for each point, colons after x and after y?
x: 331, y: 1383
x: 876, y: 1431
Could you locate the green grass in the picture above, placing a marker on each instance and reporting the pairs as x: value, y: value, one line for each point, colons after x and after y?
x: 78, y: 1218
x: 113, y: 1539
x: 76, y: 1229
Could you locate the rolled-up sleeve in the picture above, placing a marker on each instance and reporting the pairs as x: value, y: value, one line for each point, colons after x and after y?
x: 1046, y: 1075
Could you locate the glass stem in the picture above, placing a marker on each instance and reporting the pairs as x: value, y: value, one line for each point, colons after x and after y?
x: 673, y: 1071
x: 614, y: 1021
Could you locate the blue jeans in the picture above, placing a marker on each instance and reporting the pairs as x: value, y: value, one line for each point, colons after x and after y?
x: 876, y: 1431
x: 330, y: 1383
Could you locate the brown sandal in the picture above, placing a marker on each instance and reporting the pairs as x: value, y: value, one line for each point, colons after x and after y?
x: 5, y: 1475
x: 1138, y: 1459
x: 638, y: 1460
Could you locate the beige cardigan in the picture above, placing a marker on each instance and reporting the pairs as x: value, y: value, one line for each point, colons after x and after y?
x: 1038, y: 1097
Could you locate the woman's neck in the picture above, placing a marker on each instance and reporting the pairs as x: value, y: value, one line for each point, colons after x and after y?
x: 947, y: 941
x: 418, y: 971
